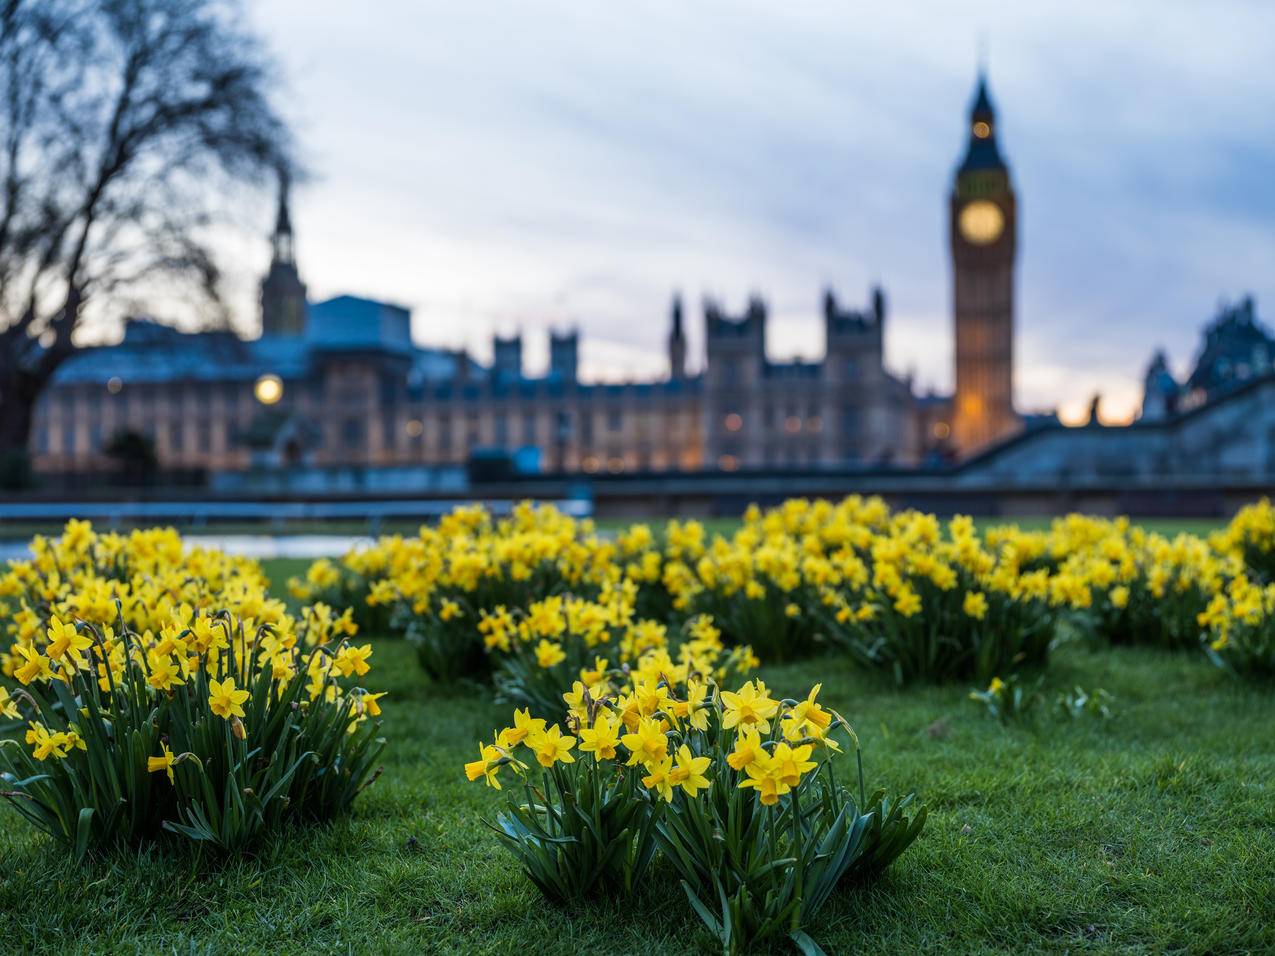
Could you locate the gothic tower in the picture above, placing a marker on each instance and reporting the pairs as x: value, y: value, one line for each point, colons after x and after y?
x: 677, y: 343
x: 984, y: 225
x: 283, y: 303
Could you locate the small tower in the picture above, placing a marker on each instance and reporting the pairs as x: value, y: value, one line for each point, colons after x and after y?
x: 283, y: 294
x: 507, y: 353
x: 677, y: 343
x: 564, y: 355
x: 984, y: 226
x: 1160, y: 390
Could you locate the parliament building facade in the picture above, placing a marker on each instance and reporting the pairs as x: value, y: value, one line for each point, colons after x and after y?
x: 342, y: 383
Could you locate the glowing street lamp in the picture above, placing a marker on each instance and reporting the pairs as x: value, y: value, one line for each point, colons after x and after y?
x: 269, y: 389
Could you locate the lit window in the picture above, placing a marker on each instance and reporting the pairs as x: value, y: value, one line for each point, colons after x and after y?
x: 269, y: 389
x: 728, y: 463
x: 414, y: 429
x: 792, y: 424
x: 942, y: 430
x: 734, y: 422
x: 615, y: 465
x: 590, y: 463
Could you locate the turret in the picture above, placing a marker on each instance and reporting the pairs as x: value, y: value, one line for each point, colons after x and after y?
x: 283, y: 294
x: 507, y: 356
x: 677, y: 343
x: 564, y: 354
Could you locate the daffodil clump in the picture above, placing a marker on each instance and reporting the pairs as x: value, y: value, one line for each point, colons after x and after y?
x: 212, y: 727
x: 1239, y: 625
x: 772, y: 584
x: 82, y: 574
x: 1251, y: 535
x: 935, y: 606
x: 563, y: 642
x: 349, y: 584
x: 158, y: 688
x: 737, y: 789
x: 437, y: 585
x: 1129, y: 586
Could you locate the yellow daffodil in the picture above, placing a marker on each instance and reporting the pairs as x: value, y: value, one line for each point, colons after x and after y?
x: 486, y: 766
x: 749, y: 706
x: 225, y: 700
x: 689, y: 771
x: 660, y: 778
x: 550, y: 746
x: 602, y: 738
x: 164, y: 762
x: 648, y: 744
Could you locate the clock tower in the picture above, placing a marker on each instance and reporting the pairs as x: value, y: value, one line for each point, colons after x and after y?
x: 984, y: 223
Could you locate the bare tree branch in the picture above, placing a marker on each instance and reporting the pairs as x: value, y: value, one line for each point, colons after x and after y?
x: 118, y: 118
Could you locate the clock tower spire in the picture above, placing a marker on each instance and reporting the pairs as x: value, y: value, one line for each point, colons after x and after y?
x: 984, y: 225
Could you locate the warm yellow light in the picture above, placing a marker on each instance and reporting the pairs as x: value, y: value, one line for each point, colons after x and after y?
x: 982, y: 130
x: 728, y: 463
x: 981, y: 222
x: 615, y: 465
x: 269, y: 389
x: 590, y: 463
x: 942, y: 430
x: 814, y: 424
x: 414, y: 429
x: 792, y: 424
x: 734, y: 422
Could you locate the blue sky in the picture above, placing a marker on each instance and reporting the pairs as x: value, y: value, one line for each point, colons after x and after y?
x: 511, y: 165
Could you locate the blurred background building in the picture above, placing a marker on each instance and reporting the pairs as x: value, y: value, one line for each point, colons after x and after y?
x: 340, y: 383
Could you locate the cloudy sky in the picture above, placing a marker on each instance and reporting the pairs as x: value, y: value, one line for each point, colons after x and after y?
x: 503, y: 166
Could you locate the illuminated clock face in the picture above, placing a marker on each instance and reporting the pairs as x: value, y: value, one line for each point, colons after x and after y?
x: 981, y: 222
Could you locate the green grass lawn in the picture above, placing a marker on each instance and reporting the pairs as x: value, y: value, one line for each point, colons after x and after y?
x: 1152, y: 832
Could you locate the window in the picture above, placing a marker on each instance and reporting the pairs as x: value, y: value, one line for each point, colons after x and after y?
x: 615, y: 419
x: 352, y: 434
x: 529, y: 428
x: 502, y: 430
x: 850, y: 422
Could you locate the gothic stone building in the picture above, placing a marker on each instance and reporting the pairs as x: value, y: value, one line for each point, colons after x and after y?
x: 984, y: 222
x: 342, y: 383
x: 1235, y: 349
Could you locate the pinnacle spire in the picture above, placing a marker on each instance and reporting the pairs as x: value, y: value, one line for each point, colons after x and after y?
x: 982, y: 105
x: 283, y: 239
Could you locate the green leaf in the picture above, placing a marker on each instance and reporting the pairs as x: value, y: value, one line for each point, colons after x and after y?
x: 804, y: 943
x: 83, y: 832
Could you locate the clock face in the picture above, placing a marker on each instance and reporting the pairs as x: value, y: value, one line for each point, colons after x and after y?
x: 981, y: 222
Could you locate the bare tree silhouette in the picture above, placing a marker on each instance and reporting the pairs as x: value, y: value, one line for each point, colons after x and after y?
x: 123, y: 125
